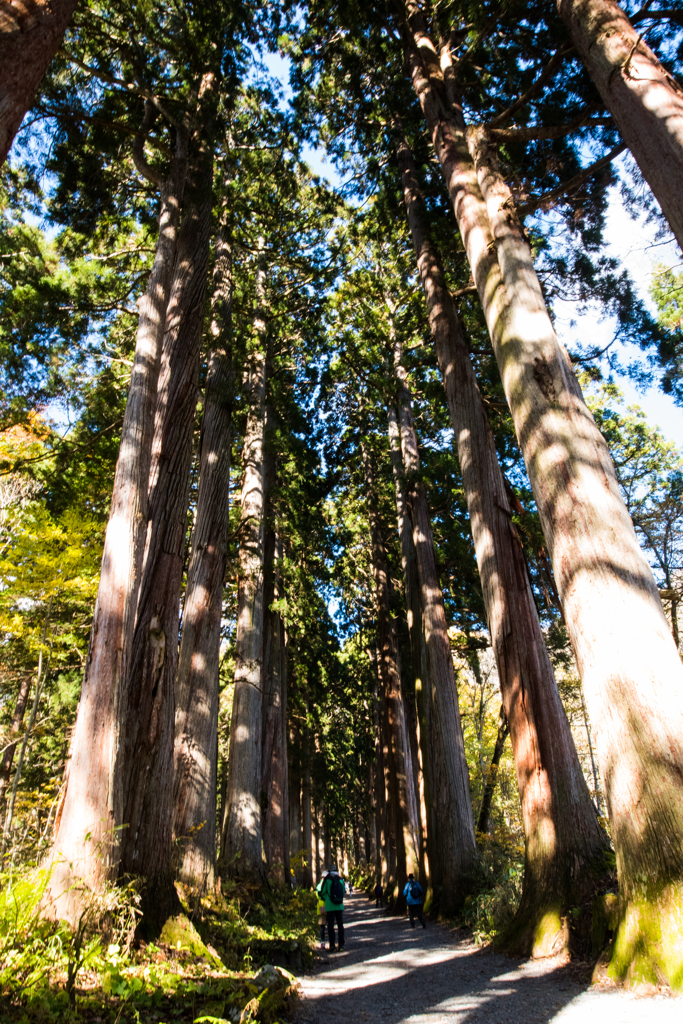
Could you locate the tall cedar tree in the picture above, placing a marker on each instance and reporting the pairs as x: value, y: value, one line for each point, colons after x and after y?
x: 564, y: 845
x: 621, y: 639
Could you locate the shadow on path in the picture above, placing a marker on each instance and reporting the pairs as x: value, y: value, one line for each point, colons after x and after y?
x: 390, y: 973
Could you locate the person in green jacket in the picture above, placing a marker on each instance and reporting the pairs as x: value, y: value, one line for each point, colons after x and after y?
x: 332, y: 890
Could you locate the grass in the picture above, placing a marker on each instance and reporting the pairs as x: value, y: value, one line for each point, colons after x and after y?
x: 99, y: 975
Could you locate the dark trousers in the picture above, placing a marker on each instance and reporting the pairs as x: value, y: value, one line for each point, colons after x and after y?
x: 338, y: 916
x: 415, y: 910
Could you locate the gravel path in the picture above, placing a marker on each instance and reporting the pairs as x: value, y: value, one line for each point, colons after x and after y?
x: 390, y: 974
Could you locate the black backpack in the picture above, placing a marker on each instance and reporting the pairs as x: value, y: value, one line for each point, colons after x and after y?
x: 415, y: 890
x: 336, y: 891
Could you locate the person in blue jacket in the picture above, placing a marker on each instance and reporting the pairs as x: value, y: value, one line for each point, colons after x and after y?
x: 414, y: 898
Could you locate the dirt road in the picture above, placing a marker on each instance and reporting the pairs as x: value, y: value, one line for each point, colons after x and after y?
x: 390, y: 974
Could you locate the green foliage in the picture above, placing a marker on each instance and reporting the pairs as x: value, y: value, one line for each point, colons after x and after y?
x: 49, y: 973
x: 250, y: 927
x: 489, y: 911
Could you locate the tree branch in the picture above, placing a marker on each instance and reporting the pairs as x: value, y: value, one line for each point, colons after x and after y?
x: 545, y: 76
x: 117, y: 126
x: 669, y: 14
x: 563, y: 191
x: 137, y: 90
x: 145, y: 168
x: 555, y: 131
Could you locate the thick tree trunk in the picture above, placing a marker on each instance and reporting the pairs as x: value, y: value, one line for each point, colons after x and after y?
x: 565, y: 846
x: 631, y: 671
x: 642, y: 97
x: 399, y: 772
x: 15, y: 726
x: 148, y: 729
x: 484, y: 822
x: 244, y: 856
x: 196, y: 716
x: 30, y: 34
x: 458, y: 850
x: 92, y: 805
x: 428, y: 818
x: 628, y: 662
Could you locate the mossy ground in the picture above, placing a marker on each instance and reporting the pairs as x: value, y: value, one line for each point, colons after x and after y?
x: 203, y: 966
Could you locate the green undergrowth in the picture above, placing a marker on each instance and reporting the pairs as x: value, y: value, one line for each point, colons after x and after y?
x: 204, y: 969
x: 489, y: 909
x: 272, y: 924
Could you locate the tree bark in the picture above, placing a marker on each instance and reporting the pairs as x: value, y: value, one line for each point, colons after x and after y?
x: 317, y: 844
x: 148, y: 728
x: 196, y: 717
x: 244, y: 836
x: 30, y: 34
x: 382, y: 816
x: 564, y: 844
x: 275, y: 826
x: 373, y: 822
x: 92, y: 805
x: 642, y: 97
x: 457, y: 843
x: 389, y: 803
x: 429, y: 818
x: 484, y: 821
x: 274, y: 760
x: 400, y: 777
x: 632, y: 675
x: 628, y: 662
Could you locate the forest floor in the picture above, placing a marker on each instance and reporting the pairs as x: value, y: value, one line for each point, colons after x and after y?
x: 392, y: 974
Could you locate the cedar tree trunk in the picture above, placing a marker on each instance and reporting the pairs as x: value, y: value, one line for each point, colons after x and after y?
x: 196, y: 716
x: 628, y: 662
x: 87, y: 835
x: 294, y: 794
x: 564, y: 843
x: 30, y: 34
x: 306, y: 825
x: 274, y: 759
x: 400, y: 774
x: 642, y: 97
x: 429, y: 818
x: 148, y: 729
x: 629, y: 666
x: 458, y: 850
x: 243, y: 853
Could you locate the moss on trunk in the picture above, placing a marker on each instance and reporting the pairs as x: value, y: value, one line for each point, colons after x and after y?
x: 648, y: 944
